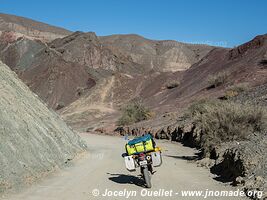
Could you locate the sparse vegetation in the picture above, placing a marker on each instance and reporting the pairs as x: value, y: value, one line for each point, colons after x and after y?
x: 236, y: 89
x: 172, y: 84
x: 60, y: 105
x: 80, y: 91
x: 134, y: 112
x: 224, y: 121
x: 217, y: 79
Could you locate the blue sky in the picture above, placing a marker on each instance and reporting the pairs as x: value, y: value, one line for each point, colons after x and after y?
x: 223, y: 23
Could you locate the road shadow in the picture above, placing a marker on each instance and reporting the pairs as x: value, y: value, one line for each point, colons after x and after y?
x: 126, y: 179
x: 225, y: 174
x: 189, y: 158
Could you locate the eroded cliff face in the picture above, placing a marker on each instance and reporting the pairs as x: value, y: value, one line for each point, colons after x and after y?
x: 34, y: 140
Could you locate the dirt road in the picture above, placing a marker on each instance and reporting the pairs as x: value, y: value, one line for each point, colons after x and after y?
x: 103, y: 169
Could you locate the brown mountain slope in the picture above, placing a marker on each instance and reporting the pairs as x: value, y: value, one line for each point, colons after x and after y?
x: 30, y: 28
x: 60, y: 71
x: 231, y: 160
x: 247, y: 66
x: 159, y: 55
x: 100, y: 107
x: 18, y: 53
x: 86, y: 49
x: 56, y: 81
x: 243, y: 64
x: 98, y: 75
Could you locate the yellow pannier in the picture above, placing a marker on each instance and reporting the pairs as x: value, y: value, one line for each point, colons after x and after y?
x: 139, y: 145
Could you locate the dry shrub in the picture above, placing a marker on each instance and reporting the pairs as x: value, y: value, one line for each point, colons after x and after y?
x: 224, y: 121
x: 134, y: 112
x: 172, y: 84
x: 235, y: 90
x: 217, y: 79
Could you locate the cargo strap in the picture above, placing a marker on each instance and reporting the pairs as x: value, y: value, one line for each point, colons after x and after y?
x: 144, y: 143
x: 135, y: 148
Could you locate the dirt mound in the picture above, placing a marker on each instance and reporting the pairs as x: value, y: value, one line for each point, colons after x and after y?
x: 31, y: 28
x: 34, y: 140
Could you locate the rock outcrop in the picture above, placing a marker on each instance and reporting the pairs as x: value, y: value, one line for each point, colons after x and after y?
x: 34, y: 140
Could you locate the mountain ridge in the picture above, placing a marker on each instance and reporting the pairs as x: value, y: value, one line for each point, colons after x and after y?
x: 133, y: 66
x: 31, y: 28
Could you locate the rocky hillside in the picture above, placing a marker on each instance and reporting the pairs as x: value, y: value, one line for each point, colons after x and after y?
x: 108, y: 79
x: 164, y: 56
x: 244, y: 77
x: 30, y: 28
x: 34, y: 139
x: 61, y: 71
x: 78, y: 65
x: 64, y: 69
x: 89, y: 78
x: 236, y: 80
x: 87, y: 50
x: 57, y: 81
x: 244, y: 65
x: 243, y: 71
x: 18, y: 53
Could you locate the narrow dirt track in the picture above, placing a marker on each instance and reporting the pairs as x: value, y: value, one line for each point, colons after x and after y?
x: 103, y: 168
